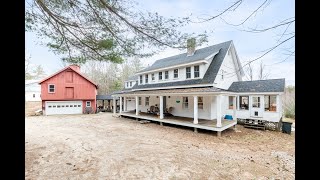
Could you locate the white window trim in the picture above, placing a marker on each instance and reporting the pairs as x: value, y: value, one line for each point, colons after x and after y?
x: 194, y: 72
x: 54, y: 88
x: 183, y: 103
x: 87, y: 103
x: 174, y: 74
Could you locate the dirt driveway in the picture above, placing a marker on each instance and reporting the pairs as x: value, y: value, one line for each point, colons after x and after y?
x: 100, y: 146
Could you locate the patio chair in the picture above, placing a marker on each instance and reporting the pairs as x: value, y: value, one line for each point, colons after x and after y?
x: 151, y: 111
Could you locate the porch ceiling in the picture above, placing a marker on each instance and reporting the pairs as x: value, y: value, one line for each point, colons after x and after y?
x: 199, y: 90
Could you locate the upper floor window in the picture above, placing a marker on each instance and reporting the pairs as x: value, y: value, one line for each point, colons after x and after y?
x: 130, y: 84
x: 196, y: 71
x: 146, y: 78
x: 140, y: 79
x: 160, y: 75
x: 188, y: 72
x: 33, y: 95
x: 152, y: 77
x: 175, y: 73
x: 166, y: 74
x: 51, y: 88
x: 127, y: 84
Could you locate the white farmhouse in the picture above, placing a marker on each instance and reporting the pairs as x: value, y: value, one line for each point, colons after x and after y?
x: 202, y: 88
x: 32, y: 90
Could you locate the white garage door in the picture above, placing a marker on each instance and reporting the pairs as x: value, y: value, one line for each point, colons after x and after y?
x: 63, y: 107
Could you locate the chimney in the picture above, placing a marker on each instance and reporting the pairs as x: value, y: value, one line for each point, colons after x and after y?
x: 191, y: 46
x: 75, y: 67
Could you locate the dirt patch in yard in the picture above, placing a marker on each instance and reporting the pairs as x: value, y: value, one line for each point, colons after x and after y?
x: 99, y: 146
x: 31, y: 107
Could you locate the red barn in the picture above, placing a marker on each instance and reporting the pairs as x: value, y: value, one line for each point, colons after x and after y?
x: 68, y: 92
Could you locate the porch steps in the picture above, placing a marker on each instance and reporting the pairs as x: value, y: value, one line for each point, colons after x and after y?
x: 255, y: 123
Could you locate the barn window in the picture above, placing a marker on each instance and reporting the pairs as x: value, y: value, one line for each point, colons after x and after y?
x: 51, y: 88
x: 244, y: 102
x: 54, y: 106
x: 71, y: 105
x: 34, y: 95
x: 79, y: 105
x: 270, y: 103
x: 88, y: 103
x: 58, y: 106
x: 49, y: 106
x: 67, y: 105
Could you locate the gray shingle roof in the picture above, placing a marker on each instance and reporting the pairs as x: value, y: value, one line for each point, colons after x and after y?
x: 132, y: 78
x: 176, y: 91
x: 104, y: 97
x: 270, y: 85
x: 211, y: 73
x: 199, y: 54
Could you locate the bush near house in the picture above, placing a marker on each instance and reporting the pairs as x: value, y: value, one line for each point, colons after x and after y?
x: 289, y: 102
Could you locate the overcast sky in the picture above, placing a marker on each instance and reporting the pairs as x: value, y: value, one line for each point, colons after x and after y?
x: 248, y: 45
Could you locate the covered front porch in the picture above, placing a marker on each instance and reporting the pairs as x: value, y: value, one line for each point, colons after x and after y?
x: 200, y: 108
x: 184, y: 121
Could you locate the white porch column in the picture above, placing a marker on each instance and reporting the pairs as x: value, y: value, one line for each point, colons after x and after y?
x: 125, y: 103
x: 114, y: 105
x: 234, y: 108
x: 238, y: 100
x: 161, y: 107
x: 137, y: 105
x: 219, y: 111
x: 120, y: 111
x: 277, y: 103
x: 195, y: 109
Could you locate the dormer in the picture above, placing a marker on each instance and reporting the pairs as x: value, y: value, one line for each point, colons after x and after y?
x: 130, y: 82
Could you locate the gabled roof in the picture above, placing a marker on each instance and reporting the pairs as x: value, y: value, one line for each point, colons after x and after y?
x: 132, y: 78
x: 199, y: 54
x: 270, y: 85
x: 210, y: 74
x: 68, y: 67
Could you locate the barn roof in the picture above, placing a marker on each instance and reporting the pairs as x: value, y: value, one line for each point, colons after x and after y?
x: 68, y: 67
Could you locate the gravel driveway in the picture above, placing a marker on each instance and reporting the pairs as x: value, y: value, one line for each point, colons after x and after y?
x: 99, y: 146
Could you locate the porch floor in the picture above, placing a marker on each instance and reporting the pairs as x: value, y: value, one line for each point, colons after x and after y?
x: 183, y: 121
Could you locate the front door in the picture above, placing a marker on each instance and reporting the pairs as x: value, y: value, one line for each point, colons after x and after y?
x: 256, y: 106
